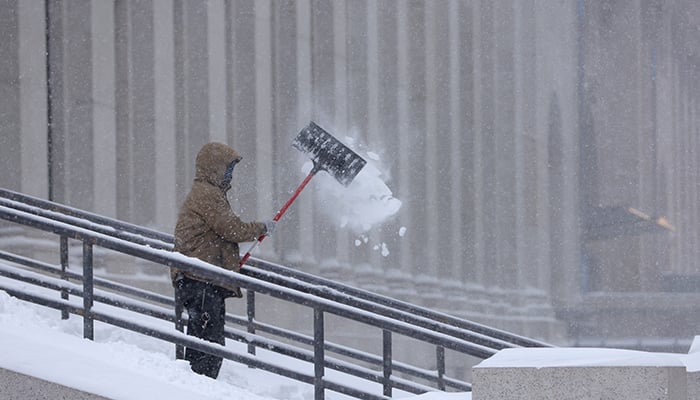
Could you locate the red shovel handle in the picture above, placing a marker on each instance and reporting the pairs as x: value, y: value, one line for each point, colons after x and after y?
x: 280, y: 213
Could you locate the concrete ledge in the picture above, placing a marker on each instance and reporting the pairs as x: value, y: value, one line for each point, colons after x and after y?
x: 693, y: 383
x: 568, y: 374
x: 16, y: 386
x: 692, y: 364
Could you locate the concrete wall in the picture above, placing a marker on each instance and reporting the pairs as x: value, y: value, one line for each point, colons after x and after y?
x: 16, y: 386
x: 590, y: 373
x: 604, y: 383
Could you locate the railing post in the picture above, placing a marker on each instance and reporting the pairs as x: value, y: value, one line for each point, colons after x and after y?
x: 64, y: 267
x: 440, y: 355
x: 179, y: 325
x: 250, y: 312
x: 387, y: 361
x: 319, y: 357
x: 88, y: 325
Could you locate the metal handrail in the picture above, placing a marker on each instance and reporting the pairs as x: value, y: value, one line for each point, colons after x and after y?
x: 223, y: 277
x: 115, y: 224
x: 167, y: 315
x: 169, y: 302
x: 442, y: 330
x: 320, y: 305
x: 484, y: 340
x: 174, y: 336
x: 286, y: 276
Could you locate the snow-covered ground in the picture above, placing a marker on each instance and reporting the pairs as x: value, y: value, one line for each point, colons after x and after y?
x: 124, y: 365
x: 119, y: 364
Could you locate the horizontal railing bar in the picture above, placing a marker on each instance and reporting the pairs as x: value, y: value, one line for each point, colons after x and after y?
x: 346, y: 390
x: 261, y: 276
x: 99, y: 295
x: 262, y: 268
x: 221, y: 277
x: 362, y: 304
x: 100, y: 282
x: 174, y: 336
x: 166, y: 315
x: 84, y: 223
x: 352, y: 353
x: 107, y: 239
x: 78, y: 213
x: 73, y: 289
x: 511, y: 340
x: 182, y: 339
x: 381, y: 310
x: 332, y: 363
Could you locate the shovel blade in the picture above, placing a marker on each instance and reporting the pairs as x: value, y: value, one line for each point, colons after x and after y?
x: 328, y: 153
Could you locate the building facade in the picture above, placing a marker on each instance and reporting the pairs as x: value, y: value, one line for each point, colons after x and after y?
x: 534, y: 144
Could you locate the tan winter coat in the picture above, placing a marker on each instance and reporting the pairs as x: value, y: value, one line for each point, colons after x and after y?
x: 206, y: 227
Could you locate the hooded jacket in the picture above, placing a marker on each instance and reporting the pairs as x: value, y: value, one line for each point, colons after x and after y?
x: 206, y: 227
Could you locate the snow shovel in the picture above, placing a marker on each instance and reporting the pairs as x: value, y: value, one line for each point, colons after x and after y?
x: 328, y: 154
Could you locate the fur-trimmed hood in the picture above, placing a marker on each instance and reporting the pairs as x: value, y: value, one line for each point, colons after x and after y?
x: 211, y: 163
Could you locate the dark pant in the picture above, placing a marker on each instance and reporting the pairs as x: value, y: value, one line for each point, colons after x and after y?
x: 207, y: 310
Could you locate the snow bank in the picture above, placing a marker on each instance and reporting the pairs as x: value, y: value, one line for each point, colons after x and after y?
x: 124, y: 365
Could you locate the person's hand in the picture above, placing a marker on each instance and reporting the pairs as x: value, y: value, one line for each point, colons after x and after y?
x: 269, y: 227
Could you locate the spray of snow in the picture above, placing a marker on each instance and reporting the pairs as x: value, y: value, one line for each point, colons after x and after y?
x: 382, y: 247
x: 365, y: 203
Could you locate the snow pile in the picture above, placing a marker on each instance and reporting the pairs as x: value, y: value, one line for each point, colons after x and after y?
x: 124, y: 365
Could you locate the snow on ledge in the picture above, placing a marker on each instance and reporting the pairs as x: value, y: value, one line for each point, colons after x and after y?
x: 692, y: 359
x: 578, y: 357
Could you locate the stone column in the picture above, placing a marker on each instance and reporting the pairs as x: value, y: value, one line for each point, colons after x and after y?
x: 504, y: 194
x: 413, y: 174
x: 406, y: 165
x: 558, y: 132
x: 663, y: 123
x: 457, y: 190
x: 287, y: 161
x: 70, y: 48
x: 305, y: 205
x: 191, y: 87
x: 388, y: 116
x: 264, y: 118
x: 10, y: 124
x: 437, y: 155
x: 23, y: 106
x: 216, y: 53
x: 104, y: 108
x: 484, y: 163
x: 135, y: 112
x: 242, y: 122
x: 167, y: 192
x: 333, y: 264
x: 531, y: 235
x: 324, y: 105
x: 32, y: 99
x: 468, y: 67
